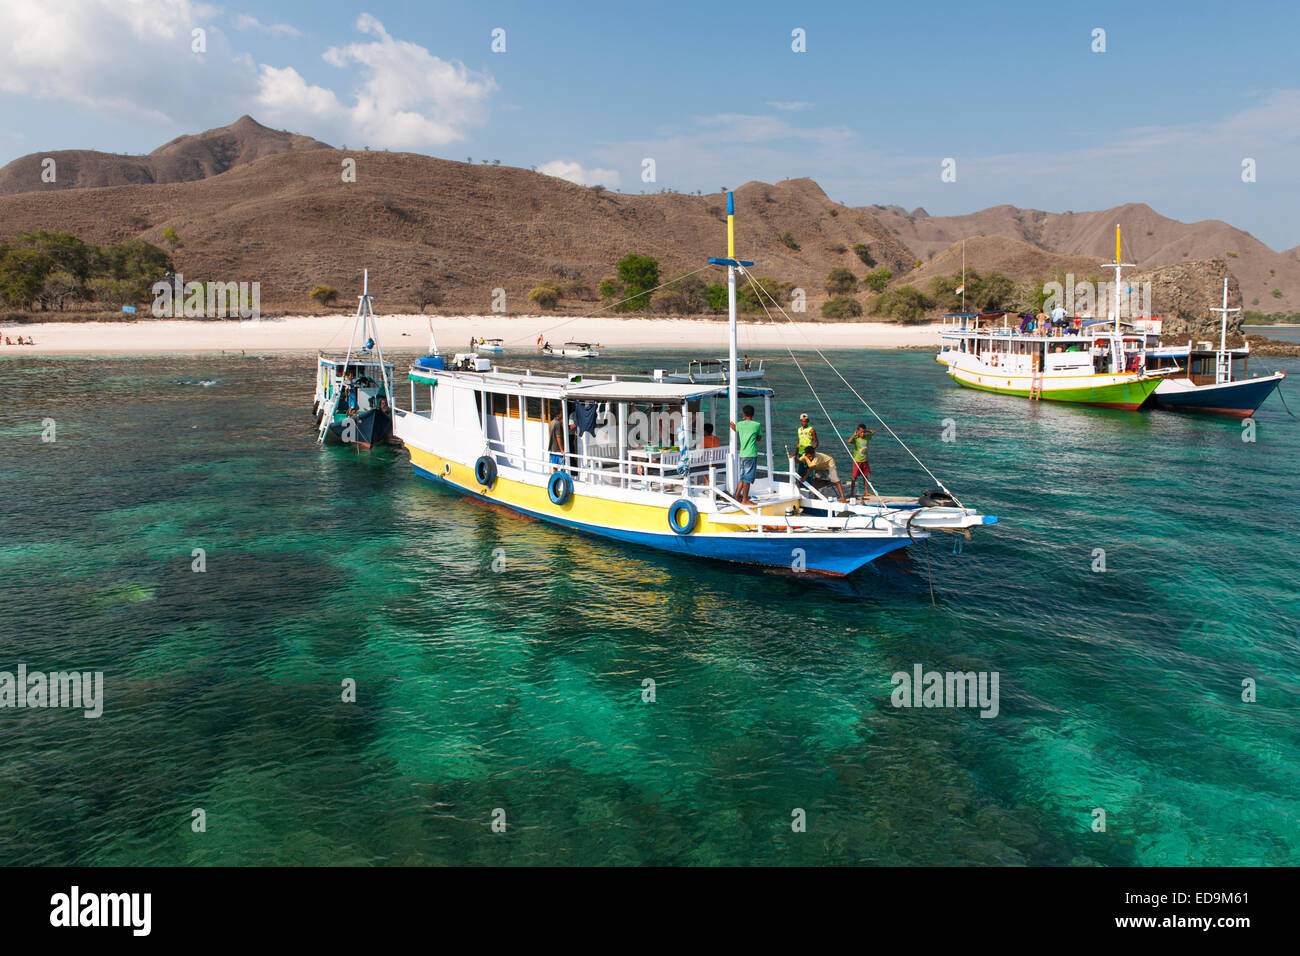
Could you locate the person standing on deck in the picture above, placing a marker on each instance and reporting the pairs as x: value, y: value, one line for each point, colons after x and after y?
x: 555, y: 438
x: 807, y: 439
x: 857, y: 443
x: 748, y: 434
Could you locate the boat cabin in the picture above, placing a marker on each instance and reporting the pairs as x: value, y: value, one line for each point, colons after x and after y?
x: 630, y: 434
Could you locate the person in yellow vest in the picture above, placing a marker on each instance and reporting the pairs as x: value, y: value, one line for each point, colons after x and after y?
x: 807, y: 439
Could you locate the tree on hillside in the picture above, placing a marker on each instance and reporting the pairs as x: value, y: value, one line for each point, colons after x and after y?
x: 906, y: 304
x: 324, y: 294
x: 864, y: 253
x: 639, y: 274
x: 841, y: 281
x: 683, y: 296
x: 170, y: 237
x: 546, y: 295
x: 841, y: 307
x: 428, y: 293
x: 877, y: 279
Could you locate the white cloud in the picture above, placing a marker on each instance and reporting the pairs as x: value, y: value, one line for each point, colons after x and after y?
x: 125, y: 60
x: 789, y: 105
x: 575, y: 173
x: 133, y: 61
x: 409, y: 98
x: 246, y: 21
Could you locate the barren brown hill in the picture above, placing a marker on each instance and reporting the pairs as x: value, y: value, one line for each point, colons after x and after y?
x: 1150, y: 240
x: 1011, y: 257
x: 291, y: 222
x: 184, y: 159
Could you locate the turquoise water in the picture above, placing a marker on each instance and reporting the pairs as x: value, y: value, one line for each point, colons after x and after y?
x: 522, y: 690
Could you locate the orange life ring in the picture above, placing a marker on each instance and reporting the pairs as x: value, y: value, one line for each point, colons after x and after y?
x: 994, y: 360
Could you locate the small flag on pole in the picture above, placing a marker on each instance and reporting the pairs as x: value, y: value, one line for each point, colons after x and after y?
x: 959, y: 290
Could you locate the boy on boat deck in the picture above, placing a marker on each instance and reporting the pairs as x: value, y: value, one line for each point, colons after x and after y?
x: 821, y: 469
x: 857, y: 443
x: 748, y: 433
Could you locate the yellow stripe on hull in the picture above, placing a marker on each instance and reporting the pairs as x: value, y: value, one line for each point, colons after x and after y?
x: 586, y: 509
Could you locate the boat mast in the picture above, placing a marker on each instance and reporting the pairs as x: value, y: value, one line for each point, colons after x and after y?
x: 1117, y: 266
x: 732, y: 263
x: 1221, y: 367
x: 733, y: 396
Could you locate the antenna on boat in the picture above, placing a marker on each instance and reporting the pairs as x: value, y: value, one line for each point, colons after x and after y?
x: 1117, y: 266
x: 731, y: 262
x: 1223, y: 333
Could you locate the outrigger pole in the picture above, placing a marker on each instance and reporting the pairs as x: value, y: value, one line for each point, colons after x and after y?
x: 731, y: 262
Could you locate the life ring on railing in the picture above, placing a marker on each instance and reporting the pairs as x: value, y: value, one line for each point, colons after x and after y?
x: 485, y: 470
x: 692, y: 516
x: 560, y: 488
x: 993, y: 360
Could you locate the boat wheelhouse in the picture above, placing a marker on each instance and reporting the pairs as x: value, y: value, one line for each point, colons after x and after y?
x: 350, y: 386
x: 712, y: 370
x: 1205, y: 379
x: 630, y: 460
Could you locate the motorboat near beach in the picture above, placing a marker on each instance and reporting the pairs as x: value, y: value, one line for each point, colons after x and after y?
x: 633, y: 461
x: 1205, y: 379
x: 354, y: 390
x: 712, y: 370
x: 570, y: 349
x: 487, y: 346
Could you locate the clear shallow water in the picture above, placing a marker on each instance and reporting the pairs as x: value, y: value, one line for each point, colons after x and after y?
x: 522, y: 689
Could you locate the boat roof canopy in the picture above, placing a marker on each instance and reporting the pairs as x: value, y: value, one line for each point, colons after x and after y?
x: 593, y: 390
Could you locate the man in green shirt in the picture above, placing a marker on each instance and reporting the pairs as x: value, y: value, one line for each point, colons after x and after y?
x: 748, y: 434
x: 857, y: 443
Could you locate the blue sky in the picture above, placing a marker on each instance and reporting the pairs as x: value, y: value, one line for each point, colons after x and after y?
x: 713, y: 93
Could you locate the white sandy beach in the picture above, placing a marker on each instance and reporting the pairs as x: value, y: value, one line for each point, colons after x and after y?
x: 411, y: 332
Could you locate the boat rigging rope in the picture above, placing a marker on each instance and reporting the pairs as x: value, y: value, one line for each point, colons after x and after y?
x: 831, y: 365
x: 606, y: 308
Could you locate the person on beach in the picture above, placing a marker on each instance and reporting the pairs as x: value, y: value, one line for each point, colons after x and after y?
x: 857, y: 443
x: 748, y: 433
x: 822, y: 468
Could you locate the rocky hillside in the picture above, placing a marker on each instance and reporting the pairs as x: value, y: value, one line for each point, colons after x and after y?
x: 184, y: 159
x: 1150, y: 240
x: 254, y: 204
